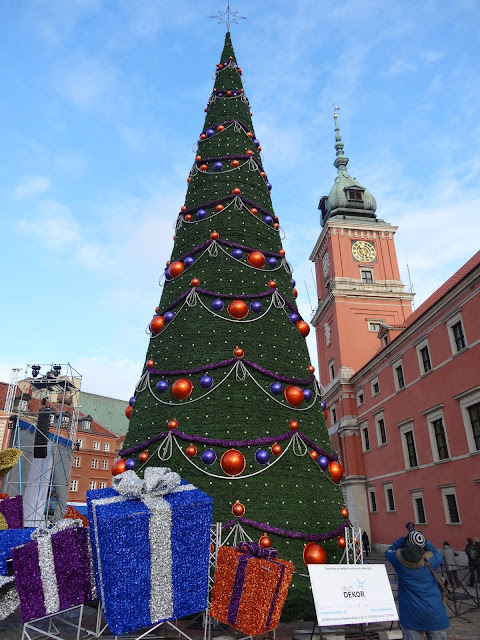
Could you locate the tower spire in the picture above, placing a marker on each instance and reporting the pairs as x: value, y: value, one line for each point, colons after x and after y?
x: 341, y: 161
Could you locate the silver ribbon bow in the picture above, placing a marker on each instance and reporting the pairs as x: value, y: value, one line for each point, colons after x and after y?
x: 61, y: 525
x: 157, y: 482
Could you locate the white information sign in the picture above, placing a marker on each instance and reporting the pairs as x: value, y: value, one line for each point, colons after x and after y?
x: 351, y: 594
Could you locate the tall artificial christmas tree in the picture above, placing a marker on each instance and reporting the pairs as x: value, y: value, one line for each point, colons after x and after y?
x: 228, y: 397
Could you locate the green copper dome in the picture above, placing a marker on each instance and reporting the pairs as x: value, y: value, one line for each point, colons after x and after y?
x: 347, y: 197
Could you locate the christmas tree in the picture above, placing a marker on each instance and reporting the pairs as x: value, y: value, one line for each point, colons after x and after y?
x: 228, y: 397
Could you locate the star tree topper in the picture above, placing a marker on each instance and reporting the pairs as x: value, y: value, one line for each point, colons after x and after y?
x: 227, y: 17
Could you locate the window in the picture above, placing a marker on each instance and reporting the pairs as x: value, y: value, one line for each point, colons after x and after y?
x: 456, y: 334
x: 106, y: 446
x: 375, y: 387
x: 87, y: 424
x: 96, y: 446
x: 418, y: 508
x: 104, y: 464
x: 385, y: 340
x: 470, y: 408
x: 334, y: 415
x: 381, y: 431
x: 389, y: 500
x: 398, y: 376
x: 65, y: 419
x: 92, y: 484
x: 360, y: 398
x: 331, y: 369
x: 353, y: 194
x: 425, y: 358
x: 52, y: 419
x: 437, y: 433
x: 76, y: 461
x: 365, y: 438
x: 74, y: 485
x: 372, y: 500
x: 408, y: 444
x: 79, y: 443
x: 474, y: 415
x: 94, y: 463
x: 450, y: 506
x: 367, y: 276
x: 440, y: 439
x: 375, y: 325
x: 102, y: 485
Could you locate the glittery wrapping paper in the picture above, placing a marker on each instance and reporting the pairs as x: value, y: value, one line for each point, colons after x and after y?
x: 151, y: 555
x: 72, y: 514
x: 10, y: 538
x: 249, y: 593
x: 8, y: 459
x: 8, y: 596
x: 12, y: 510
x: 52, y: 572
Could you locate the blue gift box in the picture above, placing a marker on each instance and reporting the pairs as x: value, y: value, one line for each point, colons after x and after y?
x: 150, y: 544
x: 10, y: 538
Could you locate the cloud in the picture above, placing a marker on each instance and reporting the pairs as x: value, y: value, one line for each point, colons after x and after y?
x: 52, y: 224
x: 113, y: 377
x: 85, y: 81
x: 31, y: 187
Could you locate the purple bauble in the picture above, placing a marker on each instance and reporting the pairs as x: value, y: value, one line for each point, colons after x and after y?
x: 323, y: 405
x: 209, y: 457
x: 210, y: 132
x: 322, y: 462
x: 161, y: 386
x: 268, y: 220
x: 276, y: 388
x: 189, y: 260
x: 131, y: 402
x: 256, y: 306
x: 168, y: 316
x: 206, y: 381
x: 262, y: 456
x: 293, y: 317
x: 272, y: 262
x: 256, y: 142
x: 237, y: 253
x: 269, y: 186
x: 217, y: 304
x: 292, y: 281
x: 218, y: 166
x: 167, y: 274
x: 307, y: 394
x: 130, y: 464
x: 201, y: 213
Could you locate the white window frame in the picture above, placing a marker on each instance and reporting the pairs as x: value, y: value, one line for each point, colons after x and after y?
x: 87, y: 425
x: 76, y: 461
x: 92, y: 485
x: 360, y: 397
x: 106, y: 446
x: 364, y: 425
x: 94, y: 463
x: 80, y: 443
x: 450, y: 323
x: 103, y: 485
x: 372, y: 321
x: 388, y: 486
x: 419, y: 348
x: 371, y: 490
x: 450, y: 490
x: 331, y: 369
x: 418, y: 493
x: 395, y: 365
x: 372, y: 382
x: 466, y: 399
x: 432, y: 414
x: 104, y: 464
x: 73, y: 485
x: 52, y: 419
x: 404, y: 427
x: 96, y: 446
x: 380, y: 416
x: 370, y: 270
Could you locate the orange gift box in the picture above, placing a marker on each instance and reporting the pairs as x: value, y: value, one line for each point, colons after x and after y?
x: 250, y: 588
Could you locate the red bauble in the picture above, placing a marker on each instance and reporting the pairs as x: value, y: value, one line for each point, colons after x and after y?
x: 172, y: 424
x: 336, y: 471
x: 294, y: 395
x: 176, y: 268
x: 232, y: 462
x: 265, y: 541
x: 191, y: 450
x: 276, y: 225
x: 313, y: 553
x: 293, y: 424
x: 236, y: 191
x: 203, y: 167
x: 311, y: 369
x: 143, y: 457
x: 256, y: 259
x: 235, y: 163
x: 156, y: 324
x: 156, y: 309
x: 220, y: 127
x: 303, y: 328
x: 263, y: 174
x: 249, y: 134
x: 128, y: 411
x: 184, y: 208
x: 314, y: 454
x: 249, y: 152
x: 238, y: 309
x: 219, y: 207
x: 168, y: 263
x: 295, y: 292
x: 150, y: 364
x: 189, y: 179
x: 282, y: 252
x: 182, y: 388
x: 238, y: 352
x: 342, y: 543
x: 188, y: 217
x: 276, y: 449
x: 254, y: 211
x: 202, y: 135
x: 197, y: 158
x: 215, y: 235
x: 194, y: 282
x: 272, y: 284
x: 238, y: 509
x: 229, y: 93
x: 344, y: 512
x: 118, y: 467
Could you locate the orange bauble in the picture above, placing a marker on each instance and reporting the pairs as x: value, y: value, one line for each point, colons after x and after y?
x: 238, y: 309
x: 303, y: 328
x: 249, y: 152
x: 118, y: 467
x: 342, y: 543
x: 215, y: 235
x: 249, y: 134
x: 282, y: 252
x: 150, y: 364
x: 276, y: 449
x: 176, y: 268
x: 203, y: 167
x: 313, y: 553
x: 294, y: 395
x: 220, y: 127
x: 191, y: 450
x: 293, y: 424
x: 314, y: 454
x: 172, y: 424
x: 295, y: 292
x: 265, y: 541
x: 236, y: 191
x: 238, y: 352
x: 344, y: 512
x: 188, y: 217
x: 156, y: 324
x: 232, y: 462
x: 194, y: 282
x: 336, y: 471
x: 184, y: 208
x: 128, y: 411
x: 272, y: 284
x: 235, y: 163
x: 256, y: 259
x: 197, y: 158
x: 238, y: 509
x: 276, y: 225
x: 182, y: 388
x: 219, y: 207
x: 254, y: 211
x: 202, y: 135
x: 311, y: 368
x: 143, y: 457
x: 229, y: 93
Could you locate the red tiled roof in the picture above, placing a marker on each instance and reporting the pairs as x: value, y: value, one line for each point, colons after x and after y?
x: 447, y: 286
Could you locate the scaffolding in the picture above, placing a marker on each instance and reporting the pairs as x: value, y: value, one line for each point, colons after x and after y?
x: 43, y: 425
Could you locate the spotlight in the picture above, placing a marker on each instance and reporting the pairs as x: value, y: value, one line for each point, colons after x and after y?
x: 56, y: 369
x: 12, y: 421
x: 35, y: 370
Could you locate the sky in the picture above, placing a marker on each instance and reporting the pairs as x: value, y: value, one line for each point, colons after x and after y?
x: 101, y: 105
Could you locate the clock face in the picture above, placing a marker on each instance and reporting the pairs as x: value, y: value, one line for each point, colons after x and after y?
x: 363, y: 251
x: 325, y: 264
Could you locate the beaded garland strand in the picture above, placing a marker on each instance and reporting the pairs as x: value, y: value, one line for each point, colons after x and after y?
x: 239, y: 406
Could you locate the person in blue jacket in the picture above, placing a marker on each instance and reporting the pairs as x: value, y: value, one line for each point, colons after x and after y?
x: 420, y: 607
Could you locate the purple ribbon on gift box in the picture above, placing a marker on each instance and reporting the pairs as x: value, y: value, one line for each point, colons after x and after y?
x: 251, y: 550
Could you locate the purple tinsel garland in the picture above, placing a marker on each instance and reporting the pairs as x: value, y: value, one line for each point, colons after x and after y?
x: 293, y: 535
x: 228, y: 244
x: 212, y: 203
x: 241, y: 157
x: 265, y: 440
x: 12, y: 510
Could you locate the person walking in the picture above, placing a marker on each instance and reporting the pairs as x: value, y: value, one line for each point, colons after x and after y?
x: 420, y: 607
x: 473, y: 554
x: 365, y: 543
x: 450, y: 565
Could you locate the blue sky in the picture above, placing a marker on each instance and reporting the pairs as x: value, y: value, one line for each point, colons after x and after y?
x: 101, y: 103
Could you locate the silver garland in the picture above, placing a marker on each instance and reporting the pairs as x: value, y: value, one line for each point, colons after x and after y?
x: 9, y: 600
